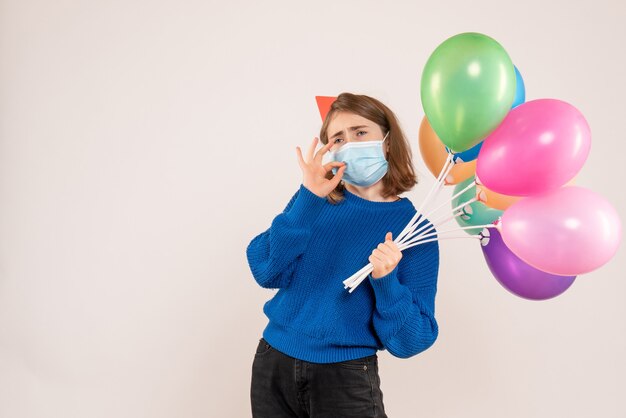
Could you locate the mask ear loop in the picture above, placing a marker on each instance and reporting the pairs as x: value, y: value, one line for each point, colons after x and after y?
x: 383, y: 141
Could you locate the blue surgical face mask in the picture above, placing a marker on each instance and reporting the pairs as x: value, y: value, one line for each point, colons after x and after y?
x: 365, y: 162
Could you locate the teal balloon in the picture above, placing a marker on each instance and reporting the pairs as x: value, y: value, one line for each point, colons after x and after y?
x: 476, y: 213
x: 467, y: 88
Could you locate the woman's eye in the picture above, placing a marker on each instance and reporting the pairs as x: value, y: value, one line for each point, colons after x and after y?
x: 338, y: 139
x: 361, y: 132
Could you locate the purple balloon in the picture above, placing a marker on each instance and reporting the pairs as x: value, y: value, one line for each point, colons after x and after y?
x: 515, y: 275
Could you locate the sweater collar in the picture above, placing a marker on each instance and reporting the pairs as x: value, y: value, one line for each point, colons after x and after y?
x: 364, y: 203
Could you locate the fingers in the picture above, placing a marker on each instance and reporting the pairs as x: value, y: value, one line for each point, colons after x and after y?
x: 382, y: 262
x: 387, y: 250
x: 375, y: 260
x: 310, y: 153
x: 387, y: 255
x: 337, y: 177
x: 300, y: 159
x: 389, y: 244
x: 323, y: 151
x: 332, y: 164
x: 318, y: 156
x: 384, y: 259
x: 311, y: 149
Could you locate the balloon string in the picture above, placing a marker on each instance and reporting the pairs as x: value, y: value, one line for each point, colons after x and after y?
x: 430, y: 226
x: 427, y: 201
x: 356, y: 278
x: 410, y: 226
x: 447, y: 167
x: 356, y: 281
x: 476, y: 237
x: 469, y: 186
x: 445, y: 219
x: 434, y: 234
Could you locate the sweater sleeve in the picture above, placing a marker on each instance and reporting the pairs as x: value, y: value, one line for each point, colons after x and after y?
x: 404, y: 317
x: 273, y: 254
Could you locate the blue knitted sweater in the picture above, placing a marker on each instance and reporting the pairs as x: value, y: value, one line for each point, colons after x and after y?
x: 307, y: 252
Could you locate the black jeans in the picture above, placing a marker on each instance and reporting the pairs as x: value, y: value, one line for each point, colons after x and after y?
x: 283, y: 386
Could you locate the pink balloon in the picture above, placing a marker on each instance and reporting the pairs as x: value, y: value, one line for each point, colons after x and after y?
x: 569, y: 231
x: 539, y: 146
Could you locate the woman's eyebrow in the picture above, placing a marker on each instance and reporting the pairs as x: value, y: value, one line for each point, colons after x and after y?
x: 352, y: 128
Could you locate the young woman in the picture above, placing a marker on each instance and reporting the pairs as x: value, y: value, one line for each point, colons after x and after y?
x: 317, y: 357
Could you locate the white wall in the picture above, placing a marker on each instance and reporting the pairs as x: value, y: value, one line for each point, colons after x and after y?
x: 144, y: 143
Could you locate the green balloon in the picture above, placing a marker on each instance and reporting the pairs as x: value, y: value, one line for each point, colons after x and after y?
x: 467, y: 88
x: 476, y: 213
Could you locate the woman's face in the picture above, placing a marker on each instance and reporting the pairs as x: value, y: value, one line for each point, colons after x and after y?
x: 348, y: 127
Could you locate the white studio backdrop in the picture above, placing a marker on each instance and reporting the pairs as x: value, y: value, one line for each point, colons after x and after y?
x: 143, y: 144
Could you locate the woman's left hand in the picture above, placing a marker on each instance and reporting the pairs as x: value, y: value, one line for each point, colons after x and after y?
x: 385, y: 257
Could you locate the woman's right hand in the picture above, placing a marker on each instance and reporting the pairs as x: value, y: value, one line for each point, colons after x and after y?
x: 314, y: 173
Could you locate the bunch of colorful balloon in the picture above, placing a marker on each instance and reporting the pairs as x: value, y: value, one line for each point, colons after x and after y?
x: 512, y: 163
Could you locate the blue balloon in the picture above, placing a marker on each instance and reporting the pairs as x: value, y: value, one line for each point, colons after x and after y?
x: 467, y: 155
x: 520, y: 91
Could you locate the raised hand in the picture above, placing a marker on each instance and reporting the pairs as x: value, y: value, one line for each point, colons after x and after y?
x: 314, y: 173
